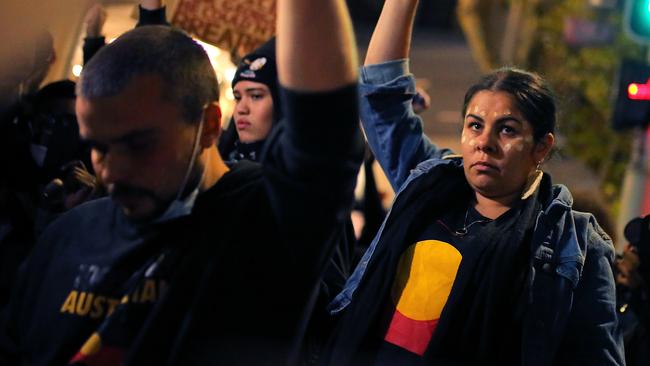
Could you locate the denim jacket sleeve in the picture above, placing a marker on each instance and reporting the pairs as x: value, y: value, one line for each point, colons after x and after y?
x: 393, y: 130
x: 592, y: 336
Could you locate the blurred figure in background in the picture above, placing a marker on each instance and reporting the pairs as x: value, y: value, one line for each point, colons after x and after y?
x: 55, y: 139
x: 632, y: 280
x: 150, y: 12
x: 44, y: 57
x: 20, y: 175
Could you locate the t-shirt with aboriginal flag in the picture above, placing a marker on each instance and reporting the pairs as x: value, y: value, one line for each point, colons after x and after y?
x: 427, y: 274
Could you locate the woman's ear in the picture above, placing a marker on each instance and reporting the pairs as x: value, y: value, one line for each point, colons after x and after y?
x: 543, y: 147
x: 211, y: 124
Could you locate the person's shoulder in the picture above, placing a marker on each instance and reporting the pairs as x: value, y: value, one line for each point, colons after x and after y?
x: 243, y: 179
x: 598, y: 242
x: 242, y: 174
x: 89, y: 213
x: 69, y: 229
x: 91, y: 209
x: 451, y: 161
x: 592, y: 238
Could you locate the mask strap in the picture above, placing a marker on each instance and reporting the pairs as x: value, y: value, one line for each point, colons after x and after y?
x: 195, y: 151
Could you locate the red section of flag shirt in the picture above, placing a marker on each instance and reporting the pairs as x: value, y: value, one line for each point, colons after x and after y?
x: 106, y: 356
x: 412, y: 335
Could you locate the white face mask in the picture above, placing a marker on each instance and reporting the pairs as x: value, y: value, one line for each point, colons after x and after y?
x: 179, y: 206
x: 39, y: 152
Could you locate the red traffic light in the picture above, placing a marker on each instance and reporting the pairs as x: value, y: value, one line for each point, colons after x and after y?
x: 637, y: 91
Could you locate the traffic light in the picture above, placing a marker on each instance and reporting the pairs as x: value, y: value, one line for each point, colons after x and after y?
x: 632, y: 95
x: 636, y: 91
x: 637, y: 20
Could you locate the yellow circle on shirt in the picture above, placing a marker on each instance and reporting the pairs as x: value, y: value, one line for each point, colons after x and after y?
x: 425, y: 274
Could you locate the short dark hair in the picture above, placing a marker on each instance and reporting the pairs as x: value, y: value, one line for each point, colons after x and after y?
x: 533, y: 97
x: 165, y: 51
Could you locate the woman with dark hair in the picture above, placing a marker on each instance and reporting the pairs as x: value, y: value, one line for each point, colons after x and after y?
x: 481, y: 260
x: 257, y: 108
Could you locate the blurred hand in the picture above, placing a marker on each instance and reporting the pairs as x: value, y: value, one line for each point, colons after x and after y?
x: 151, y: 4
x: 421, y: 101
x: 83, y: 177
x: 95, y: 19
x: 79, y: 184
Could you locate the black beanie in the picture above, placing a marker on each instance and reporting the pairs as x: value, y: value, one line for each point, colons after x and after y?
x: 259, y: 66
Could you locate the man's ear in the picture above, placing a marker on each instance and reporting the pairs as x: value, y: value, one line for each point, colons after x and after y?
x: 211, y: 125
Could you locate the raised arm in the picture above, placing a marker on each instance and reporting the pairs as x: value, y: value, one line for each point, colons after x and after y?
x: 393, y: 130
x: 391, y: 39
x: 152, y: 12
x: 151, y: 4
x: 315, y: 45
x: 94, y: 40
x: 312, y: 159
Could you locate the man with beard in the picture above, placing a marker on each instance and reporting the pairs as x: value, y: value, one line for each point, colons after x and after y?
x: 191, y: 260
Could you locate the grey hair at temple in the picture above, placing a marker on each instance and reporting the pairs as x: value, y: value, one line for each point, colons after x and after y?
x: 182, y: 63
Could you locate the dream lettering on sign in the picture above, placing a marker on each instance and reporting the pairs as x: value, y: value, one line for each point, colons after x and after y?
x: 240, y: 25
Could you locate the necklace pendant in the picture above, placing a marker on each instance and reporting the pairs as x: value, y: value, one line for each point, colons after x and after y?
x: 461, y: 232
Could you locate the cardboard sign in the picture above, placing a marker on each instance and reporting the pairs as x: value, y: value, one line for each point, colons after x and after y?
x: 233, y: 25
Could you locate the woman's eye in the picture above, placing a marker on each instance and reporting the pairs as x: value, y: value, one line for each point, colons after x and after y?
x: 237, y: 97
x: 508, y: 130
x: 257, y: 96
x: 474, y: 125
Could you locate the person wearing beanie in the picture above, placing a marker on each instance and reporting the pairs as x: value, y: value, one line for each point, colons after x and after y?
x: 255, y: 87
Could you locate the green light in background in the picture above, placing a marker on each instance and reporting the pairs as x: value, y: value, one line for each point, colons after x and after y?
x: 637, y: 20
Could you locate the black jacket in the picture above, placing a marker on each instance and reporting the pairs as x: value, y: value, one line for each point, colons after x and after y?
x: 245, y: 265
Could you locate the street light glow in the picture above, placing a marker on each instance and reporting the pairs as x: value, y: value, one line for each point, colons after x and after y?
x: 76, y: 70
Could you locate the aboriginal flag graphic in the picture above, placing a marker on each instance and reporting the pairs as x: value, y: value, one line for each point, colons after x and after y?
x: 425, y: 275
x: 111, y: 341
x: 93, y: 353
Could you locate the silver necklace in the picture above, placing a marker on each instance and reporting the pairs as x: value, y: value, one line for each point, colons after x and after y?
x: 465, y: 229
